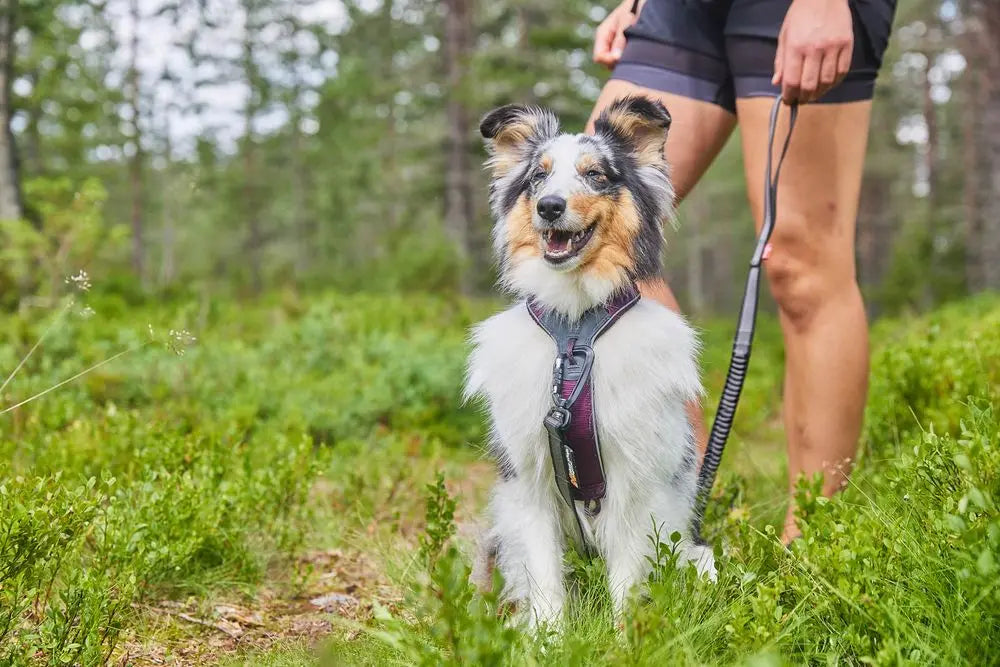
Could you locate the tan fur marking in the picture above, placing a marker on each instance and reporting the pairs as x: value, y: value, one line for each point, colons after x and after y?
x: 506, y: 155
x: 522, y: 239
x: 513, y: 134
x: 648, y: 137
x: 609, y: 253
x: 586, y: 163
x: 546, y: 162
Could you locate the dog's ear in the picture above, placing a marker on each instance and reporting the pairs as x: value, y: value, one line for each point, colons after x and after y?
x: 640, y: 123
x: 511, y: 131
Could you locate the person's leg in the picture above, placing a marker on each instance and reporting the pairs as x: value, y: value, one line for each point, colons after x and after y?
x: 697, y: 133
x: 811, y: 272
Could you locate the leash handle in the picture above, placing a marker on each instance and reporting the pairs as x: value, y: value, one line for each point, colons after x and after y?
x: 743, y: 340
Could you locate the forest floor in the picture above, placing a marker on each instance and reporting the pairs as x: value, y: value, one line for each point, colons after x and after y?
x: 332, y: 594
x: 269, y: 497
x: 337, y: 583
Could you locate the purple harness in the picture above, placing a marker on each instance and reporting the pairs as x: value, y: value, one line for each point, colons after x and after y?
x: 571, y: 423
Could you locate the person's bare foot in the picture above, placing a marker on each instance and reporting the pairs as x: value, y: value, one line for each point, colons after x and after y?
x: 791, y: 531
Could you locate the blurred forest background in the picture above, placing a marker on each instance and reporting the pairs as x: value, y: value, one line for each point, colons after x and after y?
x: 182, y: 146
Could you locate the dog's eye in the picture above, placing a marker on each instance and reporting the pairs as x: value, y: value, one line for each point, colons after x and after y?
x: 539, y: 176
x: 596, y: 176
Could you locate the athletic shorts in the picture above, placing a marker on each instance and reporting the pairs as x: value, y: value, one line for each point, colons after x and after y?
x: 719, y: 50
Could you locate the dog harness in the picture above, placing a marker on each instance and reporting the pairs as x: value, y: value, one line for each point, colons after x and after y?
x: 571, y: 423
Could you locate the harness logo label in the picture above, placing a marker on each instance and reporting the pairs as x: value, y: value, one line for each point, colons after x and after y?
x: 571, y: 466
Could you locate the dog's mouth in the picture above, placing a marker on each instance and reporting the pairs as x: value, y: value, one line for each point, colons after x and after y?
x: 560, y: 245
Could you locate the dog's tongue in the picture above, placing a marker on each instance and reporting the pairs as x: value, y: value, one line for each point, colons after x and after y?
x: 558, y: 241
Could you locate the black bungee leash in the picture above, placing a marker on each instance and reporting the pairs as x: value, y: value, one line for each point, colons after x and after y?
x: 743, y: 340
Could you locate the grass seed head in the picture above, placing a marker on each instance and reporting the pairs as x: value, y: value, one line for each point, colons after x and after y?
x: 178, y: 340
x: 79, y: 282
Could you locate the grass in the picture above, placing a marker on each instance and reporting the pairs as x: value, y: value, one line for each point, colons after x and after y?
x: 271, y: 498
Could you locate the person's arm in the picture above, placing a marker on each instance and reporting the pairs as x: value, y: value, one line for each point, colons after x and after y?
x: 815, y: 46
x: 609, y: 41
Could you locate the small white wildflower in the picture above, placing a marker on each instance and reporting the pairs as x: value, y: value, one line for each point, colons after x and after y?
x: 152, y: 334
x: 80, y: 282
x: 86, y: 312
x: 179, y: 340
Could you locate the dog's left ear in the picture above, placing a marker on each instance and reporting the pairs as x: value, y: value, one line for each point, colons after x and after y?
x: 640, y: 123
x: 512, y: 131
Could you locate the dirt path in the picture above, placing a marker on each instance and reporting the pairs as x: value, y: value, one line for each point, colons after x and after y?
x: 335, y: 596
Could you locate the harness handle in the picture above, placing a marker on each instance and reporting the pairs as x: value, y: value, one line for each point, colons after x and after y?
x: 742, y: 342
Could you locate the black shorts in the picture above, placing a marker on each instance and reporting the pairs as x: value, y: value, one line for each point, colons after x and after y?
x: 718, y: 50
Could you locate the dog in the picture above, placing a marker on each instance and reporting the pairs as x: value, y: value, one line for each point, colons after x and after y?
x: 579, y: 218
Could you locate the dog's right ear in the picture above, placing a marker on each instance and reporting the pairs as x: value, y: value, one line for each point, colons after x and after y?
x: 512, y: 131
x: 639, y: 122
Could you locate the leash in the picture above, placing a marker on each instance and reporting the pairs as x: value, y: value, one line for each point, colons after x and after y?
x: 740, y: 359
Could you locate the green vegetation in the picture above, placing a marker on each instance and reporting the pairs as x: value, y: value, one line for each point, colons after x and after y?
x: 898, y: 569
x: 296, y: 183
x: 289, y: 452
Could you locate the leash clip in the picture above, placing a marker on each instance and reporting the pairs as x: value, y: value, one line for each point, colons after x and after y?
x: 557, y: 380
x: 581, y: 362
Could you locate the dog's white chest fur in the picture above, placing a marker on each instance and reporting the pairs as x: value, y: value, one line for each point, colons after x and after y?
x: 644, y: 373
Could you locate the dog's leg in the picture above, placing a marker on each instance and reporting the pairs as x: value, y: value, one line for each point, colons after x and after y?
x: 626, y: 548
x: 529, y: 550
x: 627, y: 537
x: 702, y: 557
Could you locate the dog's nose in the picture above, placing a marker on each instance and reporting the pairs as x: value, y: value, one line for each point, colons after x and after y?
x: 551, y: 207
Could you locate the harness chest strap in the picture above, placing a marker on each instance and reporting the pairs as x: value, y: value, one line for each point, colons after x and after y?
x: 571, y: 423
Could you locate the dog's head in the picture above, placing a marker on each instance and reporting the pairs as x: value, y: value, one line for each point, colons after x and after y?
x: 577, y: 216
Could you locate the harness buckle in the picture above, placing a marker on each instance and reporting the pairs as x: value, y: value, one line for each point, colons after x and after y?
x: 558, y: 418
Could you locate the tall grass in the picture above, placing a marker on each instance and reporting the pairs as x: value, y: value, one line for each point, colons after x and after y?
x: 296, y: 424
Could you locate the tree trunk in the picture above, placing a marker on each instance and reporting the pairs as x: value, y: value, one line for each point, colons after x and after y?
x: 458, y: 186
x: 931, y: 149
x: 990, y: 141
x: 974, y: 84
x: 876, y: 227
x: 255, y: 240
x: 135, y: 163
x: 10, y: 186
x: 300, y: 219
x: 168, y: 230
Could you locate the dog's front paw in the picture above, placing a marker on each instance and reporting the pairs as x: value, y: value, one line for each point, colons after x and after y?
x: 703, y: 559
x: 539, y: 617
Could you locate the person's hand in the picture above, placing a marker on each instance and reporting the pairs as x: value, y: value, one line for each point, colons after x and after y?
x: 814, y: 49
x: 609, y: 42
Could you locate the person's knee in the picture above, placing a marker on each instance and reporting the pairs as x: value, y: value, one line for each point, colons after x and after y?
x: 805, y: 270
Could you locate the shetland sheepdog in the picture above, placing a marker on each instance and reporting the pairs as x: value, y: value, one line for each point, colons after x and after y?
x: 577, y: 219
